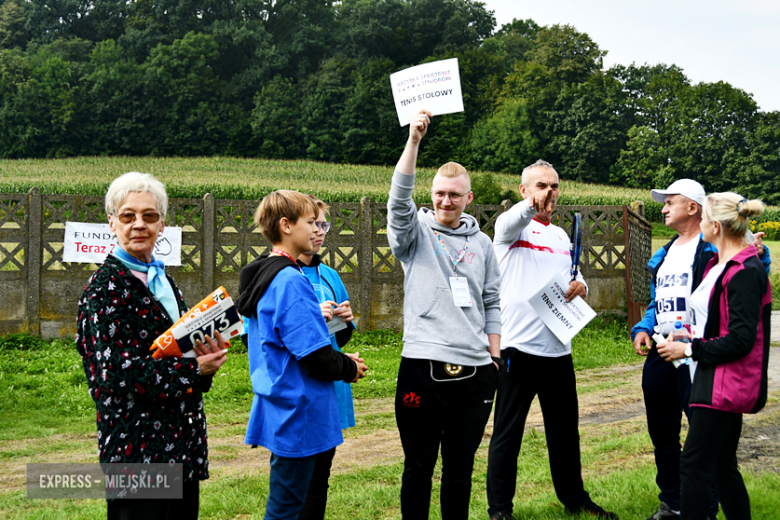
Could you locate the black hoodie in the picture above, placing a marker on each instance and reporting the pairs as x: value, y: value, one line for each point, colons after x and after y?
x: 325, y: 363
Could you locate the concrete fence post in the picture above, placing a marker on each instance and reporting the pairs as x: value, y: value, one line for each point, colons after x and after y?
x: 208, y: 230
x: 366, y: 261
x: 33, y: 253
x: 639, y: 207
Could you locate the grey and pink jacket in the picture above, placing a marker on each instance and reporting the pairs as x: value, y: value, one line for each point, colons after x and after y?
x: 733, y: 355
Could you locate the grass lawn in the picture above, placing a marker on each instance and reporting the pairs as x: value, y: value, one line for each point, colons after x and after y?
x: 48, y: 416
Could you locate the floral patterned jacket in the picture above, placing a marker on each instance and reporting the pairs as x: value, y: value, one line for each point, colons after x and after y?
x: 148, y: 410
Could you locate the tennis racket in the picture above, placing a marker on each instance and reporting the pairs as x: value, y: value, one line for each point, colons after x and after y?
x: 576, y: 245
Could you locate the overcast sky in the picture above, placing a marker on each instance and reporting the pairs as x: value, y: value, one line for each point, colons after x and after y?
x: 711, y: 40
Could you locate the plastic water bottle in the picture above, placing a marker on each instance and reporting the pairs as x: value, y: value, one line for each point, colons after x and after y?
x: 680, y: 334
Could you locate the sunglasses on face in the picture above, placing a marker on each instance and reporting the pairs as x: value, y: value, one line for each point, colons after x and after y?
x: 129, y: 218
x: 323, y: 226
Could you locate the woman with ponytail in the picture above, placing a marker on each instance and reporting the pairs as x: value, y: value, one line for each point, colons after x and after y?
x: 731, y: 322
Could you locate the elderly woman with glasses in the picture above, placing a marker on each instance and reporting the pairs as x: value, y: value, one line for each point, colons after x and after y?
x: 334, y: 302
x: 148, y: 410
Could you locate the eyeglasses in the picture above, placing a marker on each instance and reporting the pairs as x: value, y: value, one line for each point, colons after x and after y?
x: 129, y: 218
x: 323, y: 226
x: 454, y: 196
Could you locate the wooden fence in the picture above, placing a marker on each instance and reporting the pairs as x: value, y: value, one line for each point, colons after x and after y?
x: 39, y: 292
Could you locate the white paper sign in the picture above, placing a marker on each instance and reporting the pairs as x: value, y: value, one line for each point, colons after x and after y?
x: 434, y: 86
x: 90, y: 243
x: 565, y: 320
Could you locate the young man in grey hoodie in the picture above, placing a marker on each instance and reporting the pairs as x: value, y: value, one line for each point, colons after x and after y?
x: 452, y: 326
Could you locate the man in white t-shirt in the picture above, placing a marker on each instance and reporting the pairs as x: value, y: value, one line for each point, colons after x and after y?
x: 530, y: 250
x: 677, y: 270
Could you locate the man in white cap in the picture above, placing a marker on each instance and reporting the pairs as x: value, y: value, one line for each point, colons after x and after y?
x: 677, y: 269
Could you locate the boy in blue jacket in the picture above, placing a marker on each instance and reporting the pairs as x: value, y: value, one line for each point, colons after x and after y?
x: 292, y: 363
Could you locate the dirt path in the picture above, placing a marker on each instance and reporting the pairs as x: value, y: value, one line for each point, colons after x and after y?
x: 759, y: 447
x: 606, y: 396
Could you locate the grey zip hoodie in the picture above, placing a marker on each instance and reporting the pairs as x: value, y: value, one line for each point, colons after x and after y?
x: 434, y: 327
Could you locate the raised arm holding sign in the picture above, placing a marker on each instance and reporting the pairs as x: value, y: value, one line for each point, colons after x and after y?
x: 452, y: 280
x: 433, y: 86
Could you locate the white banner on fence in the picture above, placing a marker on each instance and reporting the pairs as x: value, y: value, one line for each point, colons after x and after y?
x: 90, y: 243
x: 434, y: 86
x: 565, y: 320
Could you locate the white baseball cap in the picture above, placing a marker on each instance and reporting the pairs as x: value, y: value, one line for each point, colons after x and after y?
x: 685, y: 187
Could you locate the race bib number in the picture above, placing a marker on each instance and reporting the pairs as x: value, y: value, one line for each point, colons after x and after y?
x: 671, y: 299
x: 673, y: 305
x: 672, y: 280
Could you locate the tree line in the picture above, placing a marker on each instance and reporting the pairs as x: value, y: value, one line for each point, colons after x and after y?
x: 309, y: 79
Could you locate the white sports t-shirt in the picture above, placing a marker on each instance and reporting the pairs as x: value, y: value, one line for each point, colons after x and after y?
x: 528, y: 254
x: 673, y: 286
x: 700, y: 301
x: 700, y: 306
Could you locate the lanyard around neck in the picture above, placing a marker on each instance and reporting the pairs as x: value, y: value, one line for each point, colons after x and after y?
x: 455, y: 260
x: 286, y: 255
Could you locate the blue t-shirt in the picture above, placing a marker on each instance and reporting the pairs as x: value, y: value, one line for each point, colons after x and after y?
x: 293, y: 415
x: 325, y: 281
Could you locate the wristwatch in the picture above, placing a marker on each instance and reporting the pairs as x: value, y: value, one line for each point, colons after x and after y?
x: 688, y: 350
x: 500, y: 362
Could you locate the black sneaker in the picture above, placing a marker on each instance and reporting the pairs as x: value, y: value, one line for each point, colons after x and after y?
x: 664, y: 513
x: 502, y: 515
x: 592, y: 510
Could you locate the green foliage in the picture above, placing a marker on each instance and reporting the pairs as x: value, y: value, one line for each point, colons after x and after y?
x: 756, y: 174
x: 663, y: 231
x: 382, y: 351
x: 42, y: 375
x: 487, y: 190
x: 188, y: 122
x: 23, y: 341
x: 371, y: 136
x: 771, y: 213
x: 324, y: 97
x: 616, y: 456
x: 640, y: 160
x: 774, y: 281
x: 602, y: 343
x: 514, y: 39
x: 251, y: 179
x: 307, y: 79
x: 13, y: 32
x: 709, y: 122
x: 505, y: 140
x: 408, y: 32
x: 278, y: 134
x: 570, y: 55
x: 771, y: 229
x: 587, y: 125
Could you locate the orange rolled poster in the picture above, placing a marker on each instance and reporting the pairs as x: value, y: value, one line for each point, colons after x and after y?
x: 216, y: 312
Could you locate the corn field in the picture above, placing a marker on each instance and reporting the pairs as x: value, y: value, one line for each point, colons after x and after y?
x: 235, y: 178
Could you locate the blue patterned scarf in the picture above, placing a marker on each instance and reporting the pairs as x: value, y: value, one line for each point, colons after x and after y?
x: 155, y: 278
